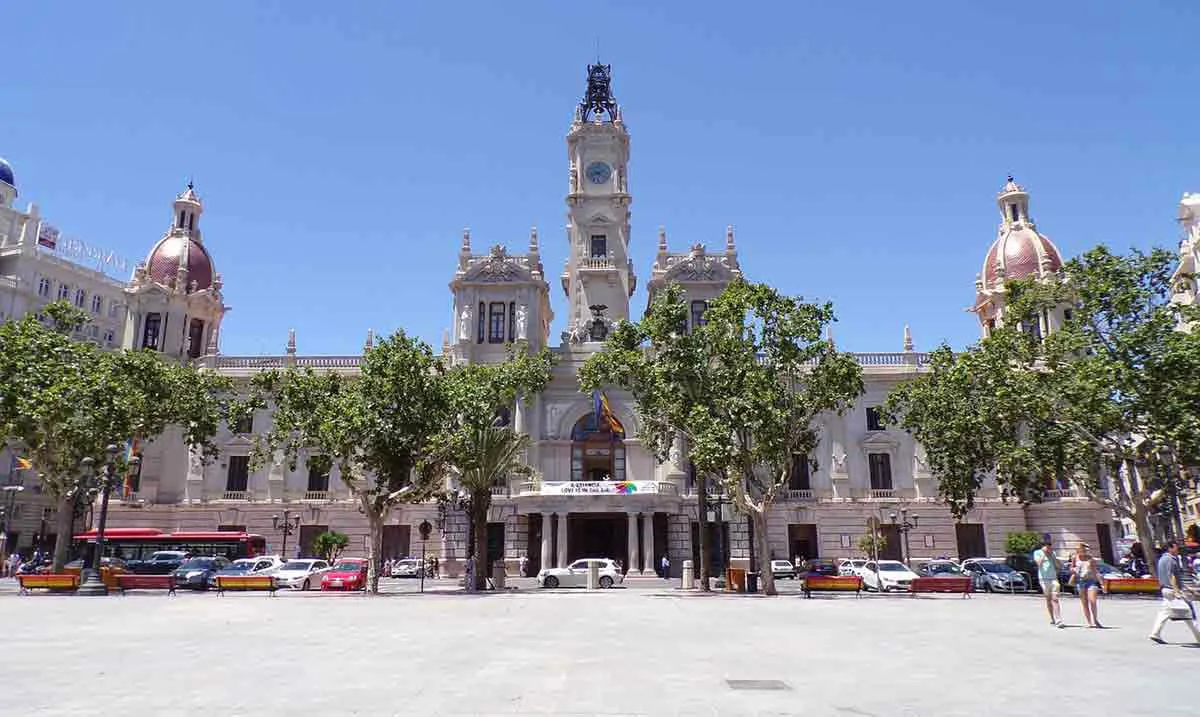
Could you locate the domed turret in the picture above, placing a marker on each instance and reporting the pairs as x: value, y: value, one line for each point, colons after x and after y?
x: 6, y: 173
x: 179, y: 258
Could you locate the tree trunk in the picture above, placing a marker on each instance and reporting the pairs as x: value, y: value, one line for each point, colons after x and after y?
x: 1141, y: 520
x: 705, y: 567
x: 374, y: 545
x: 480, y: 504
x: 65, y: 523
x: 763, y: 546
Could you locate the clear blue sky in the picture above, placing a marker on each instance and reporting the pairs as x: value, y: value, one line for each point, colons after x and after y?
x: 856, y: 147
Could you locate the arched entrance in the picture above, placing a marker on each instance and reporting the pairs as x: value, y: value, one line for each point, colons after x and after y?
x: 597, y: 451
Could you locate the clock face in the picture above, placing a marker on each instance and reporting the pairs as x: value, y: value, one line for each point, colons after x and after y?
x: 598, y: 172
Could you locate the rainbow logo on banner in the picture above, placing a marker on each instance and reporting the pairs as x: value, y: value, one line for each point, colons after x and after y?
x: 626, y: 487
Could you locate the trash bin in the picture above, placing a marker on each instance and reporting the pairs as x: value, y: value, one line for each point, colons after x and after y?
x: 735, y: 580
x: 498, y: 574
x: 751, y: 582
x: 689, y: 575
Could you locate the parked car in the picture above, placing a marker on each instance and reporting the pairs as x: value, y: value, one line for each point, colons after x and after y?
x: 162, y: 562
x: 406, y: 568
x: 576, y: 574
x: 347, y: 574
x: 262, y: 565
x: 300, y: 574
x: 891, y: 575
x: 1025, y: 565
x: 822, y: 566
x: 994, y: 574
x: 195, y: 572
x: 939, y: 569
x: 783, y: 569
x: 849, y: 567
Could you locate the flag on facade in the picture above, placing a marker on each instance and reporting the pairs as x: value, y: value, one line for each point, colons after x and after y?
x: 47, y: 236
x: 132, y: 447
x: 603, y: 410
x: 22, y: 464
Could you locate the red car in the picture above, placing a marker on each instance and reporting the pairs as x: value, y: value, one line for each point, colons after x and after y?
x: 346, y: 574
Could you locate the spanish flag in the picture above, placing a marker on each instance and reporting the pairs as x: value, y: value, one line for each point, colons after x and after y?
x: 22, y: 464
x: 603, y: 410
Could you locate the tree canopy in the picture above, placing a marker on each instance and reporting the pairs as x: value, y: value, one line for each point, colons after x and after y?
x: 1107, y: 404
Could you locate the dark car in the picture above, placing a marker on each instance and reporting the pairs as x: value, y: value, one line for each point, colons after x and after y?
x: 162, y: 562
x: 1024, y: 564
x: 1107, y: 572
x: 823, y: 566
x: 194, y: 573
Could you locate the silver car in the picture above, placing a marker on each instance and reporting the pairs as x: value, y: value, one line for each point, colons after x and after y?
x: 994, y: 575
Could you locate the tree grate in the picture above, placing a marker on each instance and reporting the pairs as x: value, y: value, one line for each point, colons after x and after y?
x: 757, y: 685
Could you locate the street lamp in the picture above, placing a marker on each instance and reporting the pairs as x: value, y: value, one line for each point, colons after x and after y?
x: 288, y: 525
x: 716, y: 516
x: 6, y: 513
x: 91, y: 582
x: 903, y: 526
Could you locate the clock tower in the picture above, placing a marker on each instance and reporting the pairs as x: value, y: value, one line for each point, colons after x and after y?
x: 598, y: 278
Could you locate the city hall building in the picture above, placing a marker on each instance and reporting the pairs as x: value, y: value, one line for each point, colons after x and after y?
x: 598, y: 494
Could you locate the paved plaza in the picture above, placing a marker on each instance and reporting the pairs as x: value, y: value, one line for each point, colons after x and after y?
x: 643, y: 650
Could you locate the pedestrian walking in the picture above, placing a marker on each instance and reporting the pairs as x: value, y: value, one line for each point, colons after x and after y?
x: 524, y: 565
x: 437, y: 567
x: 14, y: 564
x: 666, y: 567
x: 1176, y: 601
x: 1086, y: 578
x: 1047, y: 568
x: 471, y: 574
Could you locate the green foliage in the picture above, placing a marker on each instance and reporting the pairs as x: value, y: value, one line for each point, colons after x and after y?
x: 330, y: 545
x: 1022, y: 542
x: 63, y: 400
x: 744, y: 389
x: 1112, y: 393
x: 871, y: 545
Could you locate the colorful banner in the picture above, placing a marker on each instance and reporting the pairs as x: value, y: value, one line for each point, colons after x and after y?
x: 47, y: 236
x: 607, y: 487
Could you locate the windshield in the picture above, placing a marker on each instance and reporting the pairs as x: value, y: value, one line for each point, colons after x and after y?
x: 348, y: 567
x: 166, y: 556
x: 239, y: 567
x: 297, y: 565
x: 996, y: 568
x: 893, y: 567
x: 197, y: 564
x: 943, y: 568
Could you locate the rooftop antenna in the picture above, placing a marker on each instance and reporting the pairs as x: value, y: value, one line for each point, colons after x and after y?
x: 597, y: 50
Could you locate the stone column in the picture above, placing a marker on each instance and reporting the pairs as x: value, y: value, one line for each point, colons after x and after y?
x: 562, y: 540
x: 632, y: 543
x: 547, y: 527
x: 648, y: 544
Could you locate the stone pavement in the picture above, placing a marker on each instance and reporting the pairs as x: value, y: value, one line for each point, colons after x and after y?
x: 573, y: 652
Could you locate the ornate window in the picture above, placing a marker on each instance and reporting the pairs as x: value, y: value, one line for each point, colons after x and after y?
x: 599, y: 246
x: 597, y: 452
x: 880, y: 465
x: 698, y: 309
x: 798, y: 473
x: 109, y: 337
x: 318, y: 479
x: 496, y: 322
x: 238, y: 476
x: 64, y: 290
x: 97, y: 303
x: 874, y: 419
x: 195, y: 338
x: 481, y: 320
x: 80, y: 298
x: 44, y: 287
x: 150, y: 331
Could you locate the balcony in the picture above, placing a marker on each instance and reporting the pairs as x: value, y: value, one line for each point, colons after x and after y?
x: 883, y: 493
x: 236, y: 495
x: 800, y: 494
x: 1059, y: 493
x: 608, y: 487
x: 500, y: 491
x: 316, y: 495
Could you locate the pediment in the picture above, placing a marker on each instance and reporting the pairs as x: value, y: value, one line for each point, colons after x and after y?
x: 699, y: 267
x: 497, y: 267
x: 879, y: 441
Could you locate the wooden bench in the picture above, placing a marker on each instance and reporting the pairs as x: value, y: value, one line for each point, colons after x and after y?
x: 960, y: 585
x: 1132, y: 586
x: 129, y: 581
x: 831, y: 583
x: 54, y: 582
x: 246, y: 583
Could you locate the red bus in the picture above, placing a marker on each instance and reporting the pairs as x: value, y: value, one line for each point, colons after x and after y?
x: 132, y: 544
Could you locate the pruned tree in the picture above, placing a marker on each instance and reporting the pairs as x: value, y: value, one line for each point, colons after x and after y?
x: 1108, y: 404
x: 378, y: 428
x: 63, y: 400
x: 330, y: 545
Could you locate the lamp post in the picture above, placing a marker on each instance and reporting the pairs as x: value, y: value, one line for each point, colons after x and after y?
x: 6, y: 514
x: 287, y: 525
x: 717, y: 515
x: 903, y: 526
x: 424, y: 528
x: 91, y: 582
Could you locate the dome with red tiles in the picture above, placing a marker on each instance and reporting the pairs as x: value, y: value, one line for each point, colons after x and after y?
x: 162, y: 265
x: 1020, y: 254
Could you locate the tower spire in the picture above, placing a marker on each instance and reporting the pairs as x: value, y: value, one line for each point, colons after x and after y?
x: 598, y: 99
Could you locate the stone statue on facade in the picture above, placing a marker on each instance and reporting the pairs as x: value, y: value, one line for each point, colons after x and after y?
x: 522, y: 318
x: 195, y: 465
x: 464, y: 323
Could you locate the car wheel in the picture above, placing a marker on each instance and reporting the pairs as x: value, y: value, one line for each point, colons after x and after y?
x: 550, y: 582
x: 987, y: 587
x: 306, y: 585
x: 606, y: 582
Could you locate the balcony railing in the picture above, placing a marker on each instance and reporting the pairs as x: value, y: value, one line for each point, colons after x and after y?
x: 883, y: 492
x: 1062, y: 493
x: 500, y: 491
x: 800, y: 494
x: 235, y: 495
x: 316, y: 495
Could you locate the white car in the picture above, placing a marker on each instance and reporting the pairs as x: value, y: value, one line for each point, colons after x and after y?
x: 892, y: 575
x: 576, y: 574
x: 850, y: 567
x: 406, y: 568
x: 300, y: 574
x: 262, y: 565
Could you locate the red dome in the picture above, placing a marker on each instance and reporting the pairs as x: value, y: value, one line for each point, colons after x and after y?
x: 1020, y: 253
x: 163, y: 263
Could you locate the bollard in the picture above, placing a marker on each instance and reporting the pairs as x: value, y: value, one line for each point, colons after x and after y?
x: 593, y: 575
x: 689, y: 578
x: 499, y: 572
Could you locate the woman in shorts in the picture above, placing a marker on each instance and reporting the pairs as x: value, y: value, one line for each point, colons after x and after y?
x: 1086, y: 576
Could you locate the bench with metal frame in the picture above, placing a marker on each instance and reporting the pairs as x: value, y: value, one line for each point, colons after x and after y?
x: 131, y: 581
x: 246, y: 583
x: 832, y: 583
x: 54, y: 582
